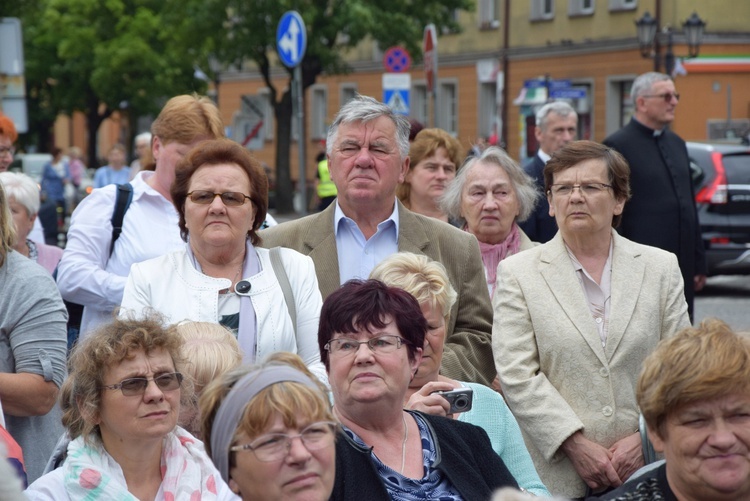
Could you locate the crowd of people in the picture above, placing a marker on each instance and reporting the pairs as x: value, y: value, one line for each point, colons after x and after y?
x: 446, y: 327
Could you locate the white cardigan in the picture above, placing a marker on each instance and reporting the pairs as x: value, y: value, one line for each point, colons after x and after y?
x: 171, y: 285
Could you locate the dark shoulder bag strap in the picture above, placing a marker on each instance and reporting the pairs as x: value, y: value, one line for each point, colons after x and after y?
x: 122, y: 202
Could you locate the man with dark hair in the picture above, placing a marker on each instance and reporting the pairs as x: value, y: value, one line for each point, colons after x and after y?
x: 662, y: 211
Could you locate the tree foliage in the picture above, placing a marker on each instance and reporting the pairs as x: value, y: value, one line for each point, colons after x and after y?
x: 101, y: 56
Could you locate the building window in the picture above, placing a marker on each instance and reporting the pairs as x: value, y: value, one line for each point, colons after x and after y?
x: 455, y: 17
x: 487, y: 108
x: 419, y: 103
x: 615, y: 5
x: 488, y: 11
x: 347, y: 92
x: 318, y: 112
x: 626, y: 103
x: 447, y: 107
x: 542, y: 10
x: 580, y: 7
x: 267, y: 109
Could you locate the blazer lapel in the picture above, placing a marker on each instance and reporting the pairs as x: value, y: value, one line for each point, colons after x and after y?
x: 320, y: 240
x: 628, y: 273
x: 411, y: 234
x: 561, y: 278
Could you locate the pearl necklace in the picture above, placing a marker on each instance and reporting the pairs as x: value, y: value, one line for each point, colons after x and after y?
x: 403, y: 444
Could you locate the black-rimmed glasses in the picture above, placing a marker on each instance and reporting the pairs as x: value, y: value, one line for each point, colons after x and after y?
x: 137, y: 385
x: 666, y: 96
x: 229, y: 198
x: 381, y: 344
x: 275, y: 446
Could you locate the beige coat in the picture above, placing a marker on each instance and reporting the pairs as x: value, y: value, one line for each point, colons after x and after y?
x: 556, y: 376
x: 468, y: 349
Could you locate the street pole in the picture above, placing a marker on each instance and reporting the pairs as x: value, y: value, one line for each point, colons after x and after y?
x: 299, y: 103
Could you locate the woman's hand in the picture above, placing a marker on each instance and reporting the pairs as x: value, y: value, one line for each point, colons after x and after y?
x: 425, y: 400
x: 592, y: 462
x: 627, y: 455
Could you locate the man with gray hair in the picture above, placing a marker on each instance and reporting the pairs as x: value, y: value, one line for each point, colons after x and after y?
x: 556, y: 126
x: 368, y: 156
x: 142, y: 151
x: 662, y: 211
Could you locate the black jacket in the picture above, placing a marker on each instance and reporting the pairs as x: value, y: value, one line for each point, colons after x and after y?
x: 464, y: 455
x: 662, y: 211
x: 540, y: 226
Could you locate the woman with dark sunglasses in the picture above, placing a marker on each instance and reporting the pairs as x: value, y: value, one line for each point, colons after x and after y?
x: 221, y: 275
x: 120, y: 407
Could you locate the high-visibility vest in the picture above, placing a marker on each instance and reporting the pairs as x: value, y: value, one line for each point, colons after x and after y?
x: 326, y: 188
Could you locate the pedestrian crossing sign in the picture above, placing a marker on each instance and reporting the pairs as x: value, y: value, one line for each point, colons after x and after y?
x: 397, y: 100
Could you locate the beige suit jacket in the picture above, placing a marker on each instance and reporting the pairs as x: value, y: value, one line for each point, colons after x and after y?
x: 556, y: 376
x: 468, y: 349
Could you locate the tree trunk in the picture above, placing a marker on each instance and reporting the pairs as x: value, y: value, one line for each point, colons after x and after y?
x: 284, y: 187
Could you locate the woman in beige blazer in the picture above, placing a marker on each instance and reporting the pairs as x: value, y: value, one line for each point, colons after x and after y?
x: 575, y: 318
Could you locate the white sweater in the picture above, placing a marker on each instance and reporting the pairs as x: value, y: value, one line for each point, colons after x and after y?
x: 171, y: 285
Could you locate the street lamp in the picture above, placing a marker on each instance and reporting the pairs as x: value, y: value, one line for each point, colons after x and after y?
x: 648, y: 40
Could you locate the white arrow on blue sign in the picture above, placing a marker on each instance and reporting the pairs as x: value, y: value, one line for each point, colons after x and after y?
x: 291, y: 39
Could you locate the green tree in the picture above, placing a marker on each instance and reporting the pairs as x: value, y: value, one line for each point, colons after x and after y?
x: 98, y: 57
x: 247, y: 33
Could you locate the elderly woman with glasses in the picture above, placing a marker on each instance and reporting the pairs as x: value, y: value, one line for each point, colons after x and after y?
x: 120, y: 406
x: 371, y: 338
x: 270, y: 431
x: 270, y: 299
x: 574, y: 320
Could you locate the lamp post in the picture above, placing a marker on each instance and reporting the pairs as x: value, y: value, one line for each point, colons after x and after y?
x: 650, y: 44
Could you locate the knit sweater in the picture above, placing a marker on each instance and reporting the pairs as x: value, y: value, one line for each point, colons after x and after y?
x: 490, y: 412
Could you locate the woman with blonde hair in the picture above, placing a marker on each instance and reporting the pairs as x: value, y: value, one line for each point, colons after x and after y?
x: 209, y: 350
x: 434, y: 159
x: 270, y: 431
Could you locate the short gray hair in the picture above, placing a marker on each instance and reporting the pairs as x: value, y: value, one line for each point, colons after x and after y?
x: 643, y: 83
x: 364, y: 109
x: 557, y: 107
x: 143, y: 136
x: 22, y: 189
x: 524, y: 185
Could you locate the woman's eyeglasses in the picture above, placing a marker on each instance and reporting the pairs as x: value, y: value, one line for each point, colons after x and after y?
x: 275, y: 446
x: 229, y: 198
x: 590, y: 189
x: 7, y: 150
x: 137, y: 385
x: 382, y: 345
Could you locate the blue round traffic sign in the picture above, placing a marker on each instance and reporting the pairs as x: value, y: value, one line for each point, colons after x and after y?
x: 291, y: 39
x: 396, y: 60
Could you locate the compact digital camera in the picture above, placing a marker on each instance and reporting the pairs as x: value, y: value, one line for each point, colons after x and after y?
x: 460, y: 399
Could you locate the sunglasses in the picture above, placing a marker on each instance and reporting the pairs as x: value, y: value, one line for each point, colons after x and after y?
x: 667, y: 96
x: 137, y: 385
x: 229, y: 198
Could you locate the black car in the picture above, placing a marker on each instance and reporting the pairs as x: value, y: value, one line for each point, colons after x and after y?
x: 721, y: 178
